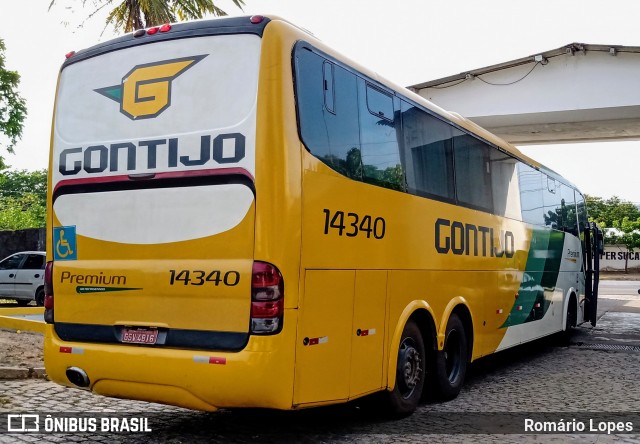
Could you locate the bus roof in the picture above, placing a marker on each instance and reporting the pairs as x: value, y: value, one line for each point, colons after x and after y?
x: 190, y: 29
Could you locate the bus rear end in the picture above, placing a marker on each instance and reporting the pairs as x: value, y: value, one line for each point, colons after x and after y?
x: 152, y: 288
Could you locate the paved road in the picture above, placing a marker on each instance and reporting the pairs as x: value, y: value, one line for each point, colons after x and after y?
x: 621, y: 296
x: 598, y: 372
x: 610, y: 287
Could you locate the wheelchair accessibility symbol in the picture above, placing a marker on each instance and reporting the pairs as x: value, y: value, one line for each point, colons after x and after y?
x: 64, y: 243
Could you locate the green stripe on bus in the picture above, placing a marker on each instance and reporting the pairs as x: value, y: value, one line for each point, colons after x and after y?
x: 540, y: 278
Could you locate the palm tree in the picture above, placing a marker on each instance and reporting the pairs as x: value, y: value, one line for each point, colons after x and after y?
x: 130, y: 15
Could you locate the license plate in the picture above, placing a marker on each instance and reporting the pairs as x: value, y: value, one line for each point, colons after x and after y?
x: 139, y: 335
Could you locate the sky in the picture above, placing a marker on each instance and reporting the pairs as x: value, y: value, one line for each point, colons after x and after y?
x: 406, y: 41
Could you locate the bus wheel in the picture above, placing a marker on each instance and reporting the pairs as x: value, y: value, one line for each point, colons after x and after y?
x: 572, y: 316
x: 410, y: 372
x: 451, y: 362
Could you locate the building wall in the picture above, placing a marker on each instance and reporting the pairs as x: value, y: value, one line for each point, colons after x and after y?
x: 614, y: 257
x: 33, y: 239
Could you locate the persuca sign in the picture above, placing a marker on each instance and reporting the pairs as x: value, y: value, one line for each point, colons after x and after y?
x: 615, y: 257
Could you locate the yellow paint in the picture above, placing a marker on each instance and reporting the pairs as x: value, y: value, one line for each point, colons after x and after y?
x: 457, y: 301
x: 326, y: 312
x: 367, y: 351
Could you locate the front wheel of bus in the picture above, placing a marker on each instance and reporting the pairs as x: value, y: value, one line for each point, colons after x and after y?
x: 451, y: 362
x: 410, y: 372
x: 572, y: 316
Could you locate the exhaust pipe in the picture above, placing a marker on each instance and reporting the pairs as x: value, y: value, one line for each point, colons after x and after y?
x: 78, y: 377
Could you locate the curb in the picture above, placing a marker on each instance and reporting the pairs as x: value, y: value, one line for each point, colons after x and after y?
x: 21, y: 319
x: 23, y: 373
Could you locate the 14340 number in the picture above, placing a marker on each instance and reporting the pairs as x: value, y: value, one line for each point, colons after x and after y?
x: 199, y: 277
x: 353, y: 224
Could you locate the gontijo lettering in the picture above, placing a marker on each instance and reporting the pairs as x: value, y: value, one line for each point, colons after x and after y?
x: 92, y: 279
x: 472, y: 240
x: 96, y: 159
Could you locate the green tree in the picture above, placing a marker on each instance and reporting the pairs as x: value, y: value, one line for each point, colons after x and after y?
x: 129, y: 15
x: 605, y: 212
x: 23, y: 199
x: 13, y: 109
x: 627, y: 233
x: 619, y: 219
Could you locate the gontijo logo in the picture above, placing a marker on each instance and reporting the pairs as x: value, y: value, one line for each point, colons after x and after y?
x: 145, y: 91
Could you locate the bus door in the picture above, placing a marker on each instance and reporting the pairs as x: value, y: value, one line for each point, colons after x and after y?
x: 594, y: 247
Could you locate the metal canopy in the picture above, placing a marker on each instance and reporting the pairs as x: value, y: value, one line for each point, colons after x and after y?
x: 579, y: 92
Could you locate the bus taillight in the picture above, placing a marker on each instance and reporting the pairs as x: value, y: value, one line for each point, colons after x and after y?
x: 267, y: 299
x: 48, y: 293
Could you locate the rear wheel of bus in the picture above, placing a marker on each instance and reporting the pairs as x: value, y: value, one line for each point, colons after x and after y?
x: 451, y: 362
x: 410, y: 372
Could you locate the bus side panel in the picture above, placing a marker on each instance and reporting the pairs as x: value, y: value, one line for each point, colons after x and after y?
x: 323, y: 348
x: 340, y: 345
x: 552, y: 272
x: 367, y: 333
x: 439, y: 288
x: 488, y: 282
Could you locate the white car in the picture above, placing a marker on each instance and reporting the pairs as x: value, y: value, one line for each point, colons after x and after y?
x: 22, y: 277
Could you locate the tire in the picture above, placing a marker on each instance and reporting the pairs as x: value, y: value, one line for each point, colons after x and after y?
x: 564, y: 337
x: 410, y: 373
x: 39, y: 297
x: 451, y: 362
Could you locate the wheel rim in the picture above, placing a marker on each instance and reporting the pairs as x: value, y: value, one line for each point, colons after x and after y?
x: 452, y: 355
x: 409, y: 368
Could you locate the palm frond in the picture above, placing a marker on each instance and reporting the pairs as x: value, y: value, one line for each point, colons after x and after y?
x: 129, y: 15
x: 196, y: 9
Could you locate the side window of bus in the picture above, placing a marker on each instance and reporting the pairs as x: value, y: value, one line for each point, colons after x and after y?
x: 428, y: 153
x: 582, y: 222
x: 531, y: 191
x: 473, y: 171
x: 329, y: 87
x: 327, y: 101
x: 569, y: 211
x: 379, y: 138
x: 582, y: 212
x: 553, y: 204
x: 504, y: 185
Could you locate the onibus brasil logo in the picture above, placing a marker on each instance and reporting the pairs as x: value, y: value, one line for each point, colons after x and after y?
x: 145, y: 91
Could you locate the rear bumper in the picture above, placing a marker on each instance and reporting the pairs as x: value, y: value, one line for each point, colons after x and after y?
x: 261, y: 375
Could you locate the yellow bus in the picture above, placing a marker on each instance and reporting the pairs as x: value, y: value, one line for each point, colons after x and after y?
x: 239, y: 216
